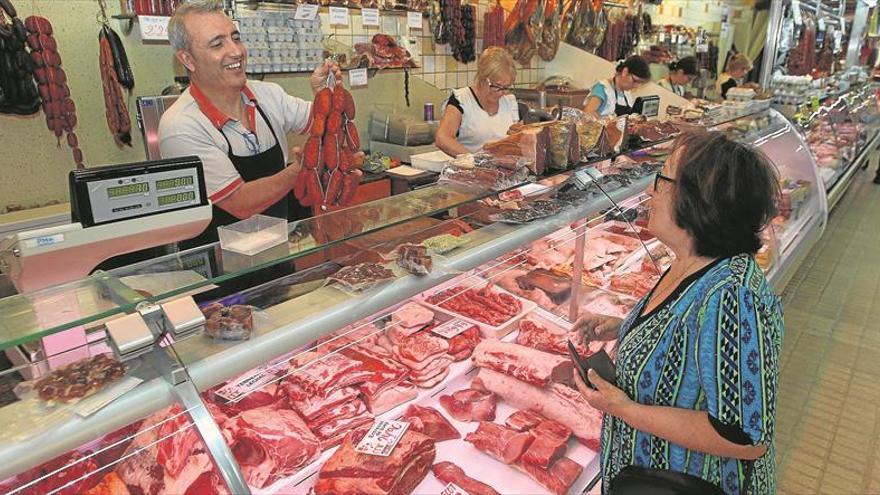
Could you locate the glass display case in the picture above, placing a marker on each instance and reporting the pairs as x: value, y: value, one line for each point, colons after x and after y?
x: 396, y: 309
x: 841, y: 135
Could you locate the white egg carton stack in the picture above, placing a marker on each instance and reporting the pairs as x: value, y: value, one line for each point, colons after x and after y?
x: 277, y: 42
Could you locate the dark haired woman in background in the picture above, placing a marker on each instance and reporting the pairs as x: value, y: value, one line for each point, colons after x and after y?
x: 611, y: 96
x: 697, y: 365
x: 681, y: 74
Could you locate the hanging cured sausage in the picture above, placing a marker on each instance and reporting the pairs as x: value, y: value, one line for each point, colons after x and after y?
x: 52, y: 82
x: 116, y: 107
x: 493, y: 27
x: 18, y: 91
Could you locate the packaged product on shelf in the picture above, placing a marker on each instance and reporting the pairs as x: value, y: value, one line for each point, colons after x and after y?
x: 75, y: 381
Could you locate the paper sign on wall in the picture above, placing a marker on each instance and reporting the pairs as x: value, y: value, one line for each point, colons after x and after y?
x: 153, y: 27
x: 369, y: 17
x: 414, y: 20
x: 357, y: 77
x: 339, y: 16
x: 306, y: 12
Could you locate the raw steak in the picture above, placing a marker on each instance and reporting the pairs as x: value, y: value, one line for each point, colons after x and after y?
x: 57, y: 473
x: 524, y: 420
x: 470, y: 405
x: 537, y: 336
x: 557, y: 402
x: 558, y: 478
x: 341, y: 425
x: 462, y: 345
x: 523, y: 363
x: 391, y: 398
x: 309, y: 407
x: 500, y: 442
x: 430, y: 382
x: 419, y: 349
x: 436, y: 367
x: 270, y: 444
x: 342, y: 411
x: 347, y: 472
x: 549, y: 444
x: 322, y: 374
x: 429, y: 421
x: 412, y: 316
x: 448, y: 472
x: 384, y: 372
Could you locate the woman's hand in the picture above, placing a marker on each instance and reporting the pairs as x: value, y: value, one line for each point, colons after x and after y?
x: 606, y: 398
x: 593, y: 327
x: 319, y: 77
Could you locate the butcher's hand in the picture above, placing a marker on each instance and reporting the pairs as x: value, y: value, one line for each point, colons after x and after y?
x: 592, y: 327
x: 319, y: 76
x: 295, y: 157
x: 606, y: 398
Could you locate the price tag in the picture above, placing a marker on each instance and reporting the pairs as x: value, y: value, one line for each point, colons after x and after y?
x: 255, y: 379
x: 382, y: 437
x: 703, y: 48
x: 452, y: 328
x: 357, y: 77
x: 822, y: 25
x: 306, y: 12
x: 414, y: 20
x: 339, y: 16
x: 453, y: 489
x: 153, y: 27
x: 369, y: 17
x: 95, y: 403
x: 661, y: 37
x: 796, y: 12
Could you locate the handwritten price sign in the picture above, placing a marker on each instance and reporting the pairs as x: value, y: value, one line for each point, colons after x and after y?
x: 382, y: 438
x: 153, y: 27
x: 453, y: 489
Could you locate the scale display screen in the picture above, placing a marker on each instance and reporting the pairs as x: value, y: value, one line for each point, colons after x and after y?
x: 128, y: 189
x: 120, y: 192
x: 181, y: 197
x: 164, y: 184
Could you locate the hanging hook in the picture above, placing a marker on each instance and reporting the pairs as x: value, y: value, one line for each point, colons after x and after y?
x: 101, y: 16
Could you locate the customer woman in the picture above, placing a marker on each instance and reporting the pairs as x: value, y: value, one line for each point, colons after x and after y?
x: 612, y: 96
x: 483, y: 111
x: 737, y: 67
x: 697, y: 364
x: 681, y: 75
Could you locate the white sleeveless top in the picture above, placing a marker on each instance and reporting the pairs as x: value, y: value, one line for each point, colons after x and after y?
x: 477, y: 126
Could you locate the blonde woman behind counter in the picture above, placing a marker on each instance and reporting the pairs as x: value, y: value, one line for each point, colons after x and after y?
x: 483, y: 111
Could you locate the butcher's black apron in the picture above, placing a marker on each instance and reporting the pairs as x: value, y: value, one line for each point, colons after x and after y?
x: 620, y: 110
x: 264, y: 164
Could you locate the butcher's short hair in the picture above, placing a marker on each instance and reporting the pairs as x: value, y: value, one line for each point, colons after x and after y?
x: 177, y: 35
x: 495, y: 62
x: 727, y: 192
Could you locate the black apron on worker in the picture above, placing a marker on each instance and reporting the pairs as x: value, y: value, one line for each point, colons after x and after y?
x: 250, y: 168
x: 620, y: 110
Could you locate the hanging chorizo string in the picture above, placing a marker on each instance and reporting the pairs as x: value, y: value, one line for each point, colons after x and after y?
x: 115, y: 74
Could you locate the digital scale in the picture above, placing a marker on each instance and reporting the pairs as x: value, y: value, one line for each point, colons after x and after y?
x: 115, y: 210
x: 647, y: 106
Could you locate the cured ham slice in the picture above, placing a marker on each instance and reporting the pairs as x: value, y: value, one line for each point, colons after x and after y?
x: 448, y: 472
x: 523, y: 363
x: 500, y: 442
x: 429, y: 421
x: 470, y: 405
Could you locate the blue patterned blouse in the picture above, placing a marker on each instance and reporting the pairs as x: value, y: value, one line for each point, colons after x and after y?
x: 713, y: 345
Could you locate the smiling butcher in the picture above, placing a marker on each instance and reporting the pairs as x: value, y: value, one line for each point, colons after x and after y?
x: 237, y: 127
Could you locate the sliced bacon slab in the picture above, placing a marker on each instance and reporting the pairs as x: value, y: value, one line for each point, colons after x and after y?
x: 523, y: 363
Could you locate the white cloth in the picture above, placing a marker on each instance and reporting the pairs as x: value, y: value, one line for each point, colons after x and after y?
x: 606, y: 92
x: 190, y: 127
x: 477, y: 126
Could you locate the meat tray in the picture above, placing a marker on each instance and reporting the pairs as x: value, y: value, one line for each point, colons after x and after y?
x: 505, y: 479
x: 474, y: 281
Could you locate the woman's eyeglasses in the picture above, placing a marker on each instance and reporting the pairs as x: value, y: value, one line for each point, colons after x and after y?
x: 498, y: 87
x: 659, y: 176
